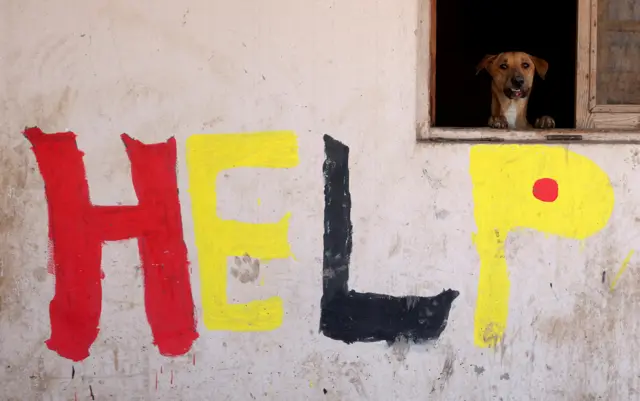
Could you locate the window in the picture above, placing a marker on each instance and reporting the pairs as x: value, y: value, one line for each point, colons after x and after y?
x: 609, y: 69
x: 593, y: 81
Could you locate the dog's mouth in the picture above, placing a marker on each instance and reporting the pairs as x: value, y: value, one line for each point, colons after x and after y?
x: 515, y: 93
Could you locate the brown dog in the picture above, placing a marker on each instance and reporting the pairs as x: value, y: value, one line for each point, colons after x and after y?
x: 512, y: 74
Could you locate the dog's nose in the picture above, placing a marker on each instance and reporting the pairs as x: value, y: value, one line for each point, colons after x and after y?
x: 517, y: 81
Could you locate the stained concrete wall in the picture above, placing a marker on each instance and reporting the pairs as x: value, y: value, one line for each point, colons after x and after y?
x: 162, y: 69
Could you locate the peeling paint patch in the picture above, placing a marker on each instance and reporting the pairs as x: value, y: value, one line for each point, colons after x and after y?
x: 478, y: 369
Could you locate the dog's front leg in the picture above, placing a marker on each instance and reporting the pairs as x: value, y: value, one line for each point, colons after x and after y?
x: 498, y: 122
x: 545, y: 122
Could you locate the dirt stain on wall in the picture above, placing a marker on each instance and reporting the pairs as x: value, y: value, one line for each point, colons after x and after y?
x: 597, y: 325
x: 15, y: 200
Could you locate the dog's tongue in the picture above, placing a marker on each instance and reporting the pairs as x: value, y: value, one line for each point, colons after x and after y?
x: 517, y: 93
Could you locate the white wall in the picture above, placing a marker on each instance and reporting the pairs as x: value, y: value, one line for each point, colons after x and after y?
x: 156, y: 69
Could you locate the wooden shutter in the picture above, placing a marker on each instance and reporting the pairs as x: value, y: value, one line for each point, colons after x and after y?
x: 608, y: 65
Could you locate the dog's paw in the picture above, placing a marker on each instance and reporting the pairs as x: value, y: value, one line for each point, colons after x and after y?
x: 499, y: 122
x: 545, y: 122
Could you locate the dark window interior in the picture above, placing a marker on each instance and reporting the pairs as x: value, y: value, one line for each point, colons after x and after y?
x: 469, y: 29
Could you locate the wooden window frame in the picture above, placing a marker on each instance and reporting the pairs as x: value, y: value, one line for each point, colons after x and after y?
x: 595, y: 123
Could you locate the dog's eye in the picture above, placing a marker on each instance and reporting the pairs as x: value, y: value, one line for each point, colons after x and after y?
x: 503, y: 66
x: 525, y: 65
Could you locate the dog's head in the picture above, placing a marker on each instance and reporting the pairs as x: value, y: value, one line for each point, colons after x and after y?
x: 513, y: 72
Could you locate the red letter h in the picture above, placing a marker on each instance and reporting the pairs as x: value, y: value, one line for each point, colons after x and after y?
x: 77, y: 230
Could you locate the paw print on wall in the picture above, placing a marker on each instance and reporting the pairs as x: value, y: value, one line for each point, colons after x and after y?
x: 245, y: 269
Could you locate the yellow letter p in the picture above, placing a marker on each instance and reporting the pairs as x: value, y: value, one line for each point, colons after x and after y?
x: 548, y: 189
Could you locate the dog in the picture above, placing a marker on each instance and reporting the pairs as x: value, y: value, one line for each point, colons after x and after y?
x: 512, y: 80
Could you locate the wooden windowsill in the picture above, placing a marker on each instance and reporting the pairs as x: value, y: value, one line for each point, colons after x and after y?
x: 489, y: 135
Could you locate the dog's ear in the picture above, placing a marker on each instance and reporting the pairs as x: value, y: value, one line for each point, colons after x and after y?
x: 485, y: 62
x: 541, y: 66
